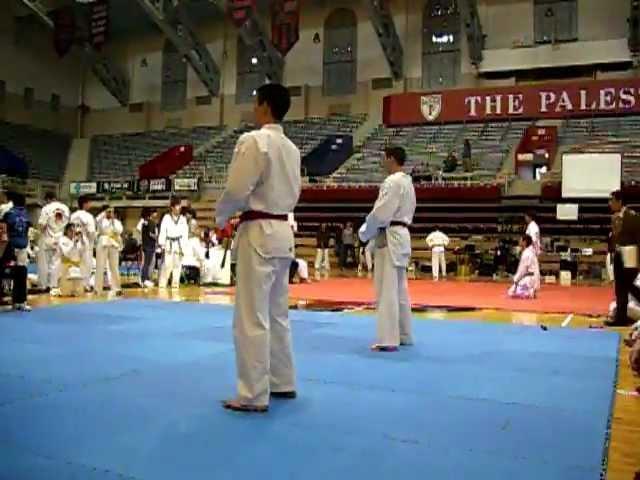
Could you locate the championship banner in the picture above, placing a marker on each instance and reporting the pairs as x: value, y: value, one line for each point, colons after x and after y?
x: 554, y: 100
x: 115, y: 187
x: 154, y: 185
x: 83, y: 188
x: 285, y: 24
x: 185, y: 185
x: 98, y: 23
x: 64, y: 29
x: 240, y: 10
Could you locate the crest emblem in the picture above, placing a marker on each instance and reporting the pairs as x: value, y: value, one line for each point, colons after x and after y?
x: 431, y: 106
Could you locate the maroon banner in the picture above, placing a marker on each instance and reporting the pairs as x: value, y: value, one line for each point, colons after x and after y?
x: 423, y: 193
x: 64, y: 30
x: 167, y: 163
x: 240, y: 10
x: 555, y: 100
x: 99, y: 23
x: 285, y: 24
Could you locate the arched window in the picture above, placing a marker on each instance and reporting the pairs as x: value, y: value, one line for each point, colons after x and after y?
x: 174, y: 79
x: 249, y: 73
x: 441, y: 44
x: 340, y: 53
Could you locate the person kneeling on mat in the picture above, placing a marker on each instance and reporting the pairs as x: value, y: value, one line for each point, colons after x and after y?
x: 526, y: 281
x: 71, y: 251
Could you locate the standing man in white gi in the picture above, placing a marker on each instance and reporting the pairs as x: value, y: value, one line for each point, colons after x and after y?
x: 108, y: 249
x: 264, y: 184
x: 54, y: 216
x: 438, y: 242
x: 87, y: 226
x: 533, y: 230
x: 173, y: 239
x: 388, y: 225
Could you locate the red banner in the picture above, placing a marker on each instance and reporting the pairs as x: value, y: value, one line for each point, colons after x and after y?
x: 99, y: 26
x: 64, y: 30
x: 555, y: 100
x: 285, y: 24
x: 240, y: 10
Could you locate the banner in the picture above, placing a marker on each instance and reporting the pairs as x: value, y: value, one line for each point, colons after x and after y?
x: 64, y: 30
x: 83, y: 188
x: 115, y: 187
x: 285, y: 25
x: 185, y: 184
x: 555, y: 100
x: 240, y: 10
x: 154, y: 185
x: 98, y: 23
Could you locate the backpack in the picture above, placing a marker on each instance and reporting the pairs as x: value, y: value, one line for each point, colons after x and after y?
x: 18, y: 225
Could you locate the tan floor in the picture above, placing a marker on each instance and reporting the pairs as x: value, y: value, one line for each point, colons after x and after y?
x: 624, y: 452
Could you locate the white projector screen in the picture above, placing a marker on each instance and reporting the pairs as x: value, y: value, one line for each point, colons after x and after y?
x: 590, y: 175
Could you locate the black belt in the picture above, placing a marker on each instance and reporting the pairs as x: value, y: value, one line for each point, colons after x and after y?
x: 399, y: 224
x: 252, y: 215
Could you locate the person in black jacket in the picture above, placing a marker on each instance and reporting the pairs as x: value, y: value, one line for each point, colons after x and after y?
x: 149, y: 244
x: 625, y: 229
x: 15, y: 258
x: 323, y: 238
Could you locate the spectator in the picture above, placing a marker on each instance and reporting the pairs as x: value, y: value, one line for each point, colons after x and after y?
x: 322, y: 250
x: 467, y: 164
x: 149, y: 244
x: 348, y: 245
x: 15, y: 253
x: 450, y: 163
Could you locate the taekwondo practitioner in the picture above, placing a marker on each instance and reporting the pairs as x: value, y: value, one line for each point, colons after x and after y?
x: 108, y: 248
x: 173, y: 239
x: 533, y: 230
x: 85, y: 222
x: 54, y: 216
x: 438, y: 242
x: 264, y: 184
x: 526, y: 281
x: 388, y: 225
x: 71, y: 254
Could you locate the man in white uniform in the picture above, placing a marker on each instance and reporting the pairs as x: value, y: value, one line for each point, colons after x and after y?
x: 71, y: 256
x: 108, y: 248
x: 438, y: 242
x: 87, y: 226
x: 526, y: 281
x: 387, y: 225
x: 264, y: 184
x: 533, y: 230
x: 173, y: 239
x: 54, y: 216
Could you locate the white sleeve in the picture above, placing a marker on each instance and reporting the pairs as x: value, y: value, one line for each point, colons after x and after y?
x: 430, y: 239
x: 162, y: 238
x: 382, y: 214
x: 523, y: 267
x: 139, y: 226
x: 446, y: 240
x: 117, y: 226
x: 245, y: 170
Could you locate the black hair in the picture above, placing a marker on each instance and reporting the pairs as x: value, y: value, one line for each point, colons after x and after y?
x: 527, y: 239
x: 68, y: 227
x: 277, y: 97
x: 531, y: 214
x: 618, y: 196
x: 82, y: 201
x: 17, y: 199
x: 175, y: 201
x: 397, y: 153
x: 49, y: 196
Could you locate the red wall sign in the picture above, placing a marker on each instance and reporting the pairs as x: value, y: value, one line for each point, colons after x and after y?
x: 285, y: 24
x: 556, y: 100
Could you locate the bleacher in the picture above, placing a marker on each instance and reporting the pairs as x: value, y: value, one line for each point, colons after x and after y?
x: 428, y: 146
x: 119, y: 156
x: 44, y: 151
x: 605, y: 134
x: 307, y: 134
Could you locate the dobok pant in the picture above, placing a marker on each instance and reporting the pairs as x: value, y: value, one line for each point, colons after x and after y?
x: 261, y: 330
x: 392, y: 294
x: 107, y: 256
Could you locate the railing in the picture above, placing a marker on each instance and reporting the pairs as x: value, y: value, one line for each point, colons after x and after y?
x: 32, y: 189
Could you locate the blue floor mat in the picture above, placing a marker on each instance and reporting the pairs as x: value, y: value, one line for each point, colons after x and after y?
x: 131, y: 389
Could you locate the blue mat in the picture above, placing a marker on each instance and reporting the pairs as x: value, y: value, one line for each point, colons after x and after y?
x: 131, y: 389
